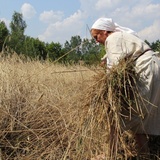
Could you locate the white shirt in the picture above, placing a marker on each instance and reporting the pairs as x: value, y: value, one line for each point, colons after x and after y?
x: 121, y: 44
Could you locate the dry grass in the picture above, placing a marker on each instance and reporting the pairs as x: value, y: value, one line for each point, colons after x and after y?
x: 102, y: 125
x: 39, y: 108
x: 55, y: 112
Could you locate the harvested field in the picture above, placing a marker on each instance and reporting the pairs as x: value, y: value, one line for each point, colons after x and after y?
x: 39, y: 108
x: 55, y: 112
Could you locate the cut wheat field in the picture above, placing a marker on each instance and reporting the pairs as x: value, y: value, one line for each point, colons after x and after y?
x: 40, y: 105
x: 51, y: 111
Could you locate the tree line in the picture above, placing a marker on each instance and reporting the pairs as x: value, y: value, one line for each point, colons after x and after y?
x: 86, y: 50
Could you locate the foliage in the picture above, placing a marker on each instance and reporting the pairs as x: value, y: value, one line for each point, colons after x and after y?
x: 84, y: 50
x: 92, y: 52
x: 54, y: 51
x: 75, y: 48
x: 154, y: 45
x: 34, y: 48
x: 3, y: 34
x: 17, y: 37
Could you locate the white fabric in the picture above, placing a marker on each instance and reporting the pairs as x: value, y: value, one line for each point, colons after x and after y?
x: 108, y: 24
x: 120, y: 44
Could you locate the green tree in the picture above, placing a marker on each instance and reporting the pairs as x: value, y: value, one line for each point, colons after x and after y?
x: 34, y: 48
x: 92, y: 52
x: 17, y: 37
x: 54, y: 51
x: 156, y: 46
x: 86, y: 50
x: 74, y: 47
x: 3, y: 34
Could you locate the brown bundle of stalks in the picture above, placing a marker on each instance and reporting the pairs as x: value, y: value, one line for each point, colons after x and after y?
x: 111, y: 101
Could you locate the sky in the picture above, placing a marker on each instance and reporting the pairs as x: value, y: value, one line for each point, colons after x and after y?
x: 58, y: 20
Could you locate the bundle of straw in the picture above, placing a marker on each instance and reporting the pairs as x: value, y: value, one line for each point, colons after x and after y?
x: 110, y: 102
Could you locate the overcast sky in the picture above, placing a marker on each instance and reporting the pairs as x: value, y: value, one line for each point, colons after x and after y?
x: 58, y: 20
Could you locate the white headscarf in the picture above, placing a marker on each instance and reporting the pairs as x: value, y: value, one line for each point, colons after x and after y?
x: 107, y: 24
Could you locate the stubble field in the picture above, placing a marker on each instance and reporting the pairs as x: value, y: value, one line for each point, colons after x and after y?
x: 40, y: 106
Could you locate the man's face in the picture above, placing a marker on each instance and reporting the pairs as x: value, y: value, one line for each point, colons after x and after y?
x: 99, y: 35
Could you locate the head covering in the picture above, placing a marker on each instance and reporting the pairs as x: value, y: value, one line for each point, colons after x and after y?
x: 108, y: 24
